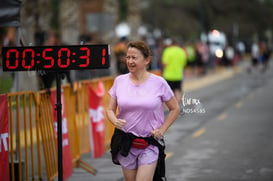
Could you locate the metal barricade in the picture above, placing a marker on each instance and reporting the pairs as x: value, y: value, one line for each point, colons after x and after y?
x: 31, y: 124
x: 70, y: 108
x: 82, y: 118
x: 48, y: 135
x: 82, y: 110
x: 24, y: 140
x: 109, y: 128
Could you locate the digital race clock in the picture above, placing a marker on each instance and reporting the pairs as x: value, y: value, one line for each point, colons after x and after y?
x: 55, y: 58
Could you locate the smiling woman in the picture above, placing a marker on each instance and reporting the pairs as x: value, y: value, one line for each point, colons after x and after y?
x: 140, y: 125
x: 137, y: 63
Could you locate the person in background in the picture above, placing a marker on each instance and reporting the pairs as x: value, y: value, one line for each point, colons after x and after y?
x: 191, y: 57
x: 265, y: 55
x: 204, y: 59
x: 7, y: 40
x: 229, y: 55
x: 255, y: 55
x: 120, y: 53
x: 137, y: 144
x: 174, y: 60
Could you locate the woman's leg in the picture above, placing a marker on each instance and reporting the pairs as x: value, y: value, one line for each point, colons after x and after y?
x: 146, y: 172
x: 178, y: 95
x: 129, y: 175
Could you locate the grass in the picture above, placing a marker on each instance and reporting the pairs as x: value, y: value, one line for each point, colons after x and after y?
x: 5, y: 83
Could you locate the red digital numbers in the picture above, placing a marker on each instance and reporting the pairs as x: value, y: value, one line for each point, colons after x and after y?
x: 24, y: 58
x: 9, y: 52
x: 24, y: 54
x: 103, y: 56
x: 54, y: 58
x: 45, y: 57
x: 86, y: 57
x: 67, y: 59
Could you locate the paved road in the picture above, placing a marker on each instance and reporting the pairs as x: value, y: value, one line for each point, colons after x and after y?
x: 224, y: 135
x: 232, y: 140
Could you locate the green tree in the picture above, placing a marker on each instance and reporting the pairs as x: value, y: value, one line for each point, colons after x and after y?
x: 187, y: 18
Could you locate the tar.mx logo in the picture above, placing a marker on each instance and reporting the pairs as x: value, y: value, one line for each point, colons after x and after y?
x: 192, y: 105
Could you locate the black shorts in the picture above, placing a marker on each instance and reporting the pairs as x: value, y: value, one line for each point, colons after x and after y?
x: 175, y: 85
x: 254, y: 61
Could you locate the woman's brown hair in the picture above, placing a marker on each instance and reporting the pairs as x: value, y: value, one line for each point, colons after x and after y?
x: 141, y: 46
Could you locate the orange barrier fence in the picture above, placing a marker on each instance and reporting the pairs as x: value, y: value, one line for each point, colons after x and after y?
x: 31, y: 126
x: 70, y: 108
x: 48, y: 135
x: 83, y: 108
x: 24, y: 142
x: 83, y: 120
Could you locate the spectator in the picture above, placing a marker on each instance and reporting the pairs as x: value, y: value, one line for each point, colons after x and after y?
x: 255, y: 55
x: 174, y: 60
x: 120, y: 53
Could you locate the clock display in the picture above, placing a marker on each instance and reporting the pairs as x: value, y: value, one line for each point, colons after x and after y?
x: 54, y: 58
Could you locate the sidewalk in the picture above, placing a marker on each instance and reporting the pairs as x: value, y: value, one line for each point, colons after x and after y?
x: 107, y: 171
x: 219, y: 74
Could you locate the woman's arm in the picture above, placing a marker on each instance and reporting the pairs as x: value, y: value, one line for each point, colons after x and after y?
x: 171, y: 117
x: 111, y: 114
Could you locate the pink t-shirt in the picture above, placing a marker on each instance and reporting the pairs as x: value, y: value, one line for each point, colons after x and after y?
x: 141, y: 105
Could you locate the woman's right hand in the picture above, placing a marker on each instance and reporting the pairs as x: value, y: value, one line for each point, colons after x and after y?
x: 119, y: 123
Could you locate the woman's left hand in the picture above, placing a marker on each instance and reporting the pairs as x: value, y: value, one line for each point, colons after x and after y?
x: 157, y: 133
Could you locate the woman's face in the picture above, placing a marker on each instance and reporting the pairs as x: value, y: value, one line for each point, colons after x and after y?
x: 135, y: 60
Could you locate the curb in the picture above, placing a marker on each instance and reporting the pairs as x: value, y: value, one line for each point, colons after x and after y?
x: 220, y: 74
